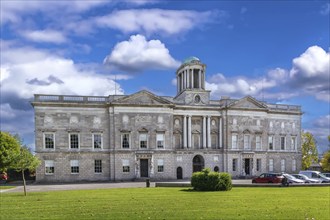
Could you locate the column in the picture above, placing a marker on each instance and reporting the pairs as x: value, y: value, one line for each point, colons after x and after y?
x: 181, y: 79
x: 208, y: 131
x: 203, y: 80
x: 199, y: 79
x: 192, y: 78
x: 189, y: 131
x: 177, y: 84
x: 220, y: 132
x: 184, y: 131
x: 204, y: 131
x: 188, y: 78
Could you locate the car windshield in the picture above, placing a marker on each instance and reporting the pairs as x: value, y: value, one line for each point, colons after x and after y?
x: 303, y: 176
x: 321, y: 175
x: 289, y: 176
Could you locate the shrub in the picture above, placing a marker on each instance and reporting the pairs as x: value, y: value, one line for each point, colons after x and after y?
x: 211, y: 181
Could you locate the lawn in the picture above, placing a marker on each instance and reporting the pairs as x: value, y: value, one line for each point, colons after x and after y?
x: 170, y: 203
x: 7, y: 187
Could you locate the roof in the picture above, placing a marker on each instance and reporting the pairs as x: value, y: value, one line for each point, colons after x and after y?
x: 191, y: 59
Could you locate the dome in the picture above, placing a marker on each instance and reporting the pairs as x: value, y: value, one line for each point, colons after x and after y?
x: 191, y: 60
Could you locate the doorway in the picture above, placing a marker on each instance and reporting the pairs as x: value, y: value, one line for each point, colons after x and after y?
x: 198, y: 163
x: 247, y: 166
x: 144, y: 167
x: 179, y: 173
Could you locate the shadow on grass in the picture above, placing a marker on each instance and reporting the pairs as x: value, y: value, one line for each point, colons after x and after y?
x: 191, y: 190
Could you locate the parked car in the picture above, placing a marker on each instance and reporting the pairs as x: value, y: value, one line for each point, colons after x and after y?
x: 268, y: 178
x: 306, y: 178
x: 326, y: 174
x: 315, y: 175
x: 291, y: 179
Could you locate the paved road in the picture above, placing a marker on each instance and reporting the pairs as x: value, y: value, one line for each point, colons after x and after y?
x: 81, y: 186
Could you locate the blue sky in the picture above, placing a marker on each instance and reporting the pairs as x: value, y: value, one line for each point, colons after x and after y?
x: 276, y: 51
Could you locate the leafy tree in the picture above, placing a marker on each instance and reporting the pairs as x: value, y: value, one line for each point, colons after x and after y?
x: 309, y: 150
x: 9, y: 148
x: 326, y: 159
x: 25, y: 160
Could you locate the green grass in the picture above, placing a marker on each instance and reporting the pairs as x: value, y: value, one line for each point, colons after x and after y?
x: 170, y: 203
x: 7, y: 187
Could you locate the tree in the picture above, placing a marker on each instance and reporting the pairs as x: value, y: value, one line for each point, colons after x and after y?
x: 309, y: 150
x: 25, y: 160
x: 325, y: 162
x: 9, y: 148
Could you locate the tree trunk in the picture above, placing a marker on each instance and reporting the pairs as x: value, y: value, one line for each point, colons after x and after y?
x: 24, y: 183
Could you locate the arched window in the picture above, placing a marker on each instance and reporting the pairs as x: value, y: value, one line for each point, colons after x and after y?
x: 198, y: 163
x: 216, y: 169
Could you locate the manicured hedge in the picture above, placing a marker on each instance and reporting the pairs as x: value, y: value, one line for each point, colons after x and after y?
x: 211, y: 181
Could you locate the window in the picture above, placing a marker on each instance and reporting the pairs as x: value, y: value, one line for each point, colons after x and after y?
x: 234, y: 141
x: 49, y: 167
x: 160, y: 165
x: 282, y: 143
x: 74, y: 166
x: 49, y: 140
x: 270, y: 143
x: 74, y: 141
x: 97, y: 141
x: 216, y: 158
x: 271, y: 165
x: 294, y: 165
x: 125, y: 165
x: 282, y: 165
x: 258, y: 142
x: 234, y: 164
x: 125, y: 140
x: 98, y: 166
x: 179, y: 158
x: 246, y: 142
x: 258, y: 164
x: 160, y: 141
x: 143, y: 140
x: 216, y: 169
x: 293, y: 143
x: 214, y: 140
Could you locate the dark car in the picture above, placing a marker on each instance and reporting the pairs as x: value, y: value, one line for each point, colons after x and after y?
x: 268, y: 178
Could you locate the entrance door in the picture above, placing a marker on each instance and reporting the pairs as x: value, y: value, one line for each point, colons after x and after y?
x: 144, y: 168
x: 247, y: 166
x: 179, y: 173
x: 198, y: 163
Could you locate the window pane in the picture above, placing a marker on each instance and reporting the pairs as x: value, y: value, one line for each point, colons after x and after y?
x: 125, y: 140
x: 143, y: 141
x: 98, y: 166
x: 97, y: 140
x: 49, y: 140
x: 74, y: 141
x: 160, y: 140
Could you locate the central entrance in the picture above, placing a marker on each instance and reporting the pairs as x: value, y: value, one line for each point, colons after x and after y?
x: 247, y: 166
x: 198, y: 163
x: 144, y: 168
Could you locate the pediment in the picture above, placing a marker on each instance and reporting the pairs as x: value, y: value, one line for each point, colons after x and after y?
x: 248, y: 102
x: 143, y: 98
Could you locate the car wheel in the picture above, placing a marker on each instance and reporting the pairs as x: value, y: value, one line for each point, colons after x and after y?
x: 253, y: 181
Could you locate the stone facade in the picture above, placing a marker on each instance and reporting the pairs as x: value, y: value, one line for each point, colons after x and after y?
x: 127, y: 137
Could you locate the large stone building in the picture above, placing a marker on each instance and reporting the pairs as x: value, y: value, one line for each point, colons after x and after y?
x: 126, y: 137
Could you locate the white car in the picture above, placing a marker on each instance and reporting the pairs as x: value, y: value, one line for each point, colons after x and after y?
x: 306, y: 178
x: 315, y: 175
x: 291, y: 179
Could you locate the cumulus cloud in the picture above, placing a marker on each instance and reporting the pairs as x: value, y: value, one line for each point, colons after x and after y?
x: 45, y: 36
x: 151, y: 21
x: 138, y: 54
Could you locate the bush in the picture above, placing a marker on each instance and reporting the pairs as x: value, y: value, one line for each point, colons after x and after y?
x: 211, y: 181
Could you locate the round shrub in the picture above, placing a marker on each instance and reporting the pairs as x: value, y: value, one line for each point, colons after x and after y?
x: 211, y: 181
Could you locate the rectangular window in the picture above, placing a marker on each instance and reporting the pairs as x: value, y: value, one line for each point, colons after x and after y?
x: 74, y: 141
x: 293, y: 143
x: 282, y: 143
x: 270, y: 143
x: 125, y: 165
x: 49, y: 140
x: 74, y: 166
x: 160, y: 141
x: 246, y: 142
x: 234, y: 164
x: 160, y: 165
x: 271, y: 165
x: 234, y: 141
x: 258, y: 142
x: 49, y: 167
x: 125, y: 140
x: 143, y: 140
x: 294, y: 165
x: 258, y: 164
x: 98, y: 166
x: 282, y: 165
x: 97, y: 141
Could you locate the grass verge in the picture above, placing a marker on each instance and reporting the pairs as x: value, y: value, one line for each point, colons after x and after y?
x: 7, y: 187
x: 170, y: 203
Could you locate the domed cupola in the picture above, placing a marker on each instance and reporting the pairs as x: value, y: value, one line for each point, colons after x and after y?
x: 190, y: 78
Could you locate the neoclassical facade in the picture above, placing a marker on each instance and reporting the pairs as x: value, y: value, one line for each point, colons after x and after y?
x: 128, y: 137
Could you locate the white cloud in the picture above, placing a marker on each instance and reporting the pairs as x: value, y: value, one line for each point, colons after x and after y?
x: 151, y: 21
x: 138, y: 54
x: 45, y: 36
x: 325, y: 9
